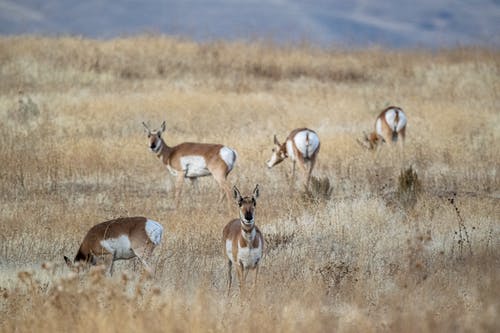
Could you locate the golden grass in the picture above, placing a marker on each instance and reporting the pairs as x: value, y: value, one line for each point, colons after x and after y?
x: 360, y: 252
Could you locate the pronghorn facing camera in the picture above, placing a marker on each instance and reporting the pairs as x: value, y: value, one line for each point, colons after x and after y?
x: 390, y: 126
x: 302, y: 146
x: 193, y: 160
x: 122, y: 238
x: 243, y: 241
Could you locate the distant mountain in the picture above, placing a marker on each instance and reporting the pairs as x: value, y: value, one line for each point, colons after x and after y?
x: 394, y: 23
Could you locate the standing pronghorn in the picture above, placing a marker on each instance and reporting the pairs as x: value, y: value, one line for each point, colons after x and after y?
x: 193, y: 160
x: 390, y: 126
x: 122, y: 238
x: 301, y: 145
x: 243, y: 241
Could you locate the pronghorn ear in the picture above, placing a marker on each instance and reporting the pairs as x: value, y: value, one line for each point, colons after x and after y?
x: 366, y: 136
x: 146, y: 128
x: 256, y: 192
x: 68, y: 262
x: 163, y: 126
x: 362, y: 143
x: 236, y: 194
x: 276, y: 140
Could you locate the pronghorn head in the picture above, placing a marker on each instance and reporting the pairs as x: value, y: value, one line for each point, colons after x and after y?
x: 279, y: 153
x: 371, y: 141
x: 80, y: 259
x: 246, y: 206
x: 154, y: 136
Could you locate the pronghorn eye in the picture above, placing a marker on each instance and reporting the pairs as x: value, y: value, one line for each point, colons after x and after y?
x: 274, y: 149
x: 149, y: 135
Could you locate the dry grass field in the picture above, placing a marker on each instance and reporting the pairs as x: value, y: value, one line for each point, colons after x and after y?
x: 374, y: 246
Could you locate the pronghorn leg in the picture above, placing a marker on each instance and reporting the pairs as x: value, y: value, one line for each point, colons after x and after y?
x: 194, y: 188
x: 178, y: 189
x: 309, y: 173
x: 112, y: 264
x: 194, y: 183
x: 229, y: 276
x: 139, y: 254
x: 226, y: 190
x: 240, y: 271
x: 256, y: 274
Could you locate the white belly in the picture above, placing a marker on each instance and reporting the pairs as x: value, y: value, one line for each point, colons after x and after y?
x: 194, y: 166
x: 119, y: 246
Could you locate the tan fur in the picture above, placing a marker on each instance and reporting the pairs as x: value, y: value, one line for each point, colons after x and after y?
x: 171, y: 156
x: 300, y: 158
x: 234, y: 232
x: 374, y: 139
x: 133, y: 227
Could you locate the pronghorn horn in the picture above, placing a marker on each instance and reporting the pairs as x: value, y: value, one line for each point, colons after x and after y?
x: 276, y: 140
x: 163, y: 126
x: 146, y: 126
x: 256, y: 191
x: 236, y: 193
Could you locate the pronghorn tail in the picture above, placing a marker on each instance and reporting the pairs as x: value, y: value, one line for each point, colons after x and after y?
x: 395, y: 129
x: 308, y: 144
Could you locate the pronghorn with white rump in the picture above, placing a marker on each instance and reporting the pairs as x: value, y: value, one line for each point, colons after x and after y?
x: 302, y: 146
x: 390, y: 126
x: 119, y: 239
x: 193, y: 160
x: 243, y: 242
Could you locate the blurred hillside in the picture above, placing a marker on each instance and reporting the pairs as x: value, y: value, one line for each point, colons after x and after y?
x: 394, y: 23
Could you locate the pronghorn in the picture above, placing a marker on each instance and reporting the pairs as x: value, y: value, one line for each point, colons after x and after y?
x: 193, y: 160
x: 301, y: 145
x: 390, y: 126
x: 243, y: 241
x: 122, y: 238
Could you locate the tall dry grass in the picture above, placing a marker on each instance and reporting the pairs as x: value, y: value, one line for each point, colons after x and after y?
x: 374, y: 246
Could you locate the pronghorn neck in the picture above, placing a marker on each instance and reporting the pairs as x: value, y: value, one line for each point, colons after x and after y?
x: 80, y: 256
x: 248, y: 232
x: 163, y: 151
x: 284, y: 149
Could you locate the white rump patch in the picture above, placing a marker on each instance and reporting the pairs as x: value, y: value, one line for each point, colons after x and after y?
x: 229, y: 157
x: 390, y: 118
x: 154, y: 230
x: 305, y: 147
x: 119, y: 246
x: 194, y: 166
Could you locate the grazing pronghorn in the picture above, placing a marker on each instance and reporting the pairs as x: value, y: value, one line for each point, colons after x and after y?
x: 193, y: 160
x: 301, y: 145
x: 243, y: 241
x: 122, y: 238
x: 390, y: 126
